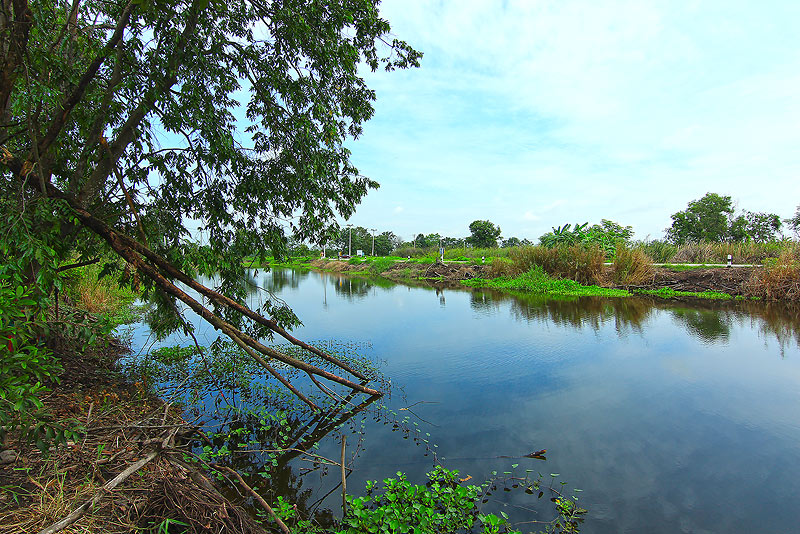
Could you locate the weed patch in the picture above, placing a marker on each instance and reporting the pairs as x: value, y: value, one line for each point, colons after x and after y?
x: 537, y: 281
x: 580, y: 263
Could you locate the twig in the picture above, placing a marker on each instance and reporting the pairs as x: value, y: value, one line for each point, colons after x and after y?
x: 107, y: 487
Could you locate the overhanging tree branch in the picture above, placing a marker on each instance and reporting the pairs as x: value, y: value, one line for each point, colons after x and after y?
x: 130, y: 250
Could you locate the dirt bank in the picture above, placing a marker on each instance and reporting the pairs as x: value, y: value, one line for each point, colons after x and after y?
x: 727, y: 280
x: 124, y: 426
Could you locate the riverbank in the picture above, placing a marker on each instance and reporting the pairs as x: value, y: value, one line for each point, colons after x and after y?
x: 131, y: 442
x: 665, y: 282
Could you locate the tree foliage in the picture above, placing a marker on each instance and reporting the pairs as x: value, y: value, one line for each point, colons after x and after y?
x: 484, y: 234
x: 711, y: 218
x: 705, y: 219
x: 361, y: 239
x: 794, y: 222
x: 126, y: 123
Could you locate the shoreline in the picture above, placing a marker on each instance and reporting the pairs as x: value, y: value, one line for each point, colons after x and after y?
x: 715, y: 283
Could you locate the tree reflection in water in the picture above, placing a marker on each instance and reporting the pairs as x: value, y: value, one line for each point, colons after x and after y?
x: 707, y: 320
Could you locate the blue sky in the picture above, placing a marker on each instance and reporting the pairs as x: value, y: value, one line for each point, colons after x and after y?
x: 534, y: 114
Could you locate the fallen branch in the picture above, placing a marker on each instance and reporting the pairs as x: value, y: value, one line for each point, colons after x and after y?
x: 102, y: 492
x: 135, y: 253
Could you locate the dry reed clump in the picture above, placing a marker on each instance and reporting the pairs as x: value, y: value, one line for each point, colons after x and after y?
x: 779, y: 278
x: 504, y: 267
x: 584, y: 264
x: 94, y: 296
x: 632, y: 267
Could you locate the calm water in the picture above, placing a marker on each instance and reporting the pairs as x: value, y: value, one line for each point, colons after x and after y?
x: 672, y: 417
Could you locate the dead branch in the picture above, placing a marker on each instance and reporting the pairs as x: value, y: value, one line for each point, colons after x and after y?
x: 107, y: 487
x: 344, y: 477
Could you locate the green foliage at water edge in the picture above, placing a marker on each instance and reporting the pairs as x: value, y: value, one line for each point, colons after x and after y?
x: 536, y: 281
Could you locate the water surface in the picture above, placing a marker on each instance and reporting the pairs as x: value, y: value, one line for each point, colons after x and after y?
x: 671, y: 416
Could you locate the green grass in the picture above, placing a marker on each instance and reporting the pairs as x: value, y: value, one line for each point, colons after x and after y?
x: 379, y: 265
x: 667, y: 293
x: 536, y: 281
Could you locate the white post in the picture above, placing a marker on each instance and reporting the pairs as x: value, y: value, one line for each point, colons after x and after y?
x: 730, y: 260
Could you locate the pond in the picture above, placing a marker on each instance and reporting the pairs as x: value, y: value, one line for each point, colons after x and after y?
x: 670, y: 416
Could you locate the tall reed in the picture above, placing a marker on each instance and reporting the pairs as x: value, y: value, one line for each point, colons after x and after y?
x: 583, y: 264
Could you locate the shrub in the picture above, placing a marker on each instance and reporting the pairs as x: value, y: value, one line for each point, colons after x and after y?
x: 405, y: 252
x: 25, y: 364
x: 632, y: 267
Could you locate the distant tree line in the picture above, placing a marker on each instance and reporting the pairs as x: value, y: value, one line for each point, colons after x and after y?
x: 712, y: 218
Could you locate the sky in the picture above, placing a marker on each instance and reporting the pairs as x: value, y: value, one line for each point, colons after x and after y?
x: 534, y: 114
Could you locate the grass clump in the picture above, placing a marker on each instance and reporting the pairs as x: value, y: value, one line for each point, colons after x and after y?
x: 106, y: 296
x: 631, y: 267
x: 537, y: 281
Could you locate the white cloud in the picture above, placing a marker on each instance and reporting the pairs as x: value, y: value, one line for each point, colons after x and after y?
x: 623, y: 110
